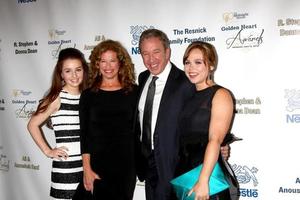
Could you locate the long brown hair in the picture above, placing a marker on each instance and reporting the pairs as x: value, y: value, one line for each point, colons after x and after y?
x: 126, y: 73
x: 57, y: 81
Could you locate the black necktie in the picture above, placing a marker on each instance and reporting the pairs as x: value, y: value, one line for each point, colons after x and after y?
x: 147, y: 118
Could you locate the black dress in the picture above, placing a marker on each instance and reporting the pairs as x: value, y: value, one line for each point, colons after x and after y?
x: 106, y: 122
x: 193, y: 129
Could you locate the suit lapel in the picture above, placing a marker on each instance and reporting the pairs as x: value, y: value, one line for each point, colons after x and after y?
x: 169, y: 89
x: 142, y: 81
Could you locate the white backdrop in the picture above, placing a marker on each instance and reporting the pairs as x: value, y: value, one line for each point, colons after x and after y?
x: 258, y: 45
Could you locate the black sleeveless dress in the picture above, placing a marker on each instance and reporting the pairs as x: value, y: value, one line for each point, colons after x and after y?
x: 193, y: 129
x: 106, y: 123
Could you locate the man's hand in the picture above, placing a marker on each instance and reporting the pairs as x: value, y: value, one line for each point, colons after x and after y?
x: 225, y: 151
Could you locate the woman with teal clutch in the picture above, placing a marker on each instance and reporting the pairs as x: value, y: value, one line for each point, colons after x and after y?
x: 204, y: 122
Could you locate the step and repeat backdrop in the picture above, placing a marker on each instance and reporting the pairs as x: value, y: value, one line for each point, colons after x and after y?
x: 258, y: 44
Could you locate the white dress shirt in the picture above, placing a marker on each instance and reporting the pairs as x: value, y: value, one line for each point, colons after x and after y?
x: 160, y: 85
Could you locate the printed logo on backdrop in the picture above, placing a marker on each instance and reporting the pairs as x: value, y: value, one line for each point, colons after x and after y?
x: 248, y: 106
x: 4, y: 161
x: 190, y: 34
x: 26, y: 47
x: 247, y: 179
x: 57, y: 41
x: 291, y: 190
x: 178, y: 36
x: 136, y: 32
x: 23, y: 104
x: 241, y: 35
x: 97, y: 39
x: 2, y: 104
x: 25, y: 1
x: 26, y: 163
x: 230, y: 17
x: 54, y: 35
x: 288, y: 26
x: 292, y: 97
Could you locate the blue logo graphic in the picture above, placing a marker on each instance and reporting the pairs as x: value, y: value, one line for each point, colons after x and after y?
x: 293, y: 100
x: 293, y: 103
x: 245, y: 175
x: 136, y: 32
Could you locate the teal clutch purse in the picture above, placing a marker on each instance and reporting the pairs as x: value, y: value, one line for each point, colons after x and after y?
x: 184, y: 183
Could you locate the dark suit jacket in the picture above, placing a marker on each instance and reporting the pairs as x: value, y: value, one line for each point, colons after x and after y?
x: 177, y: 90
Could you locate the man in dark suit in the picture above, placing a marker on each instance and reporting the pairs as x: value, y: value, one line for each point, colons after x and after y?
x: 171, y: 91
x: 172, y: 88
